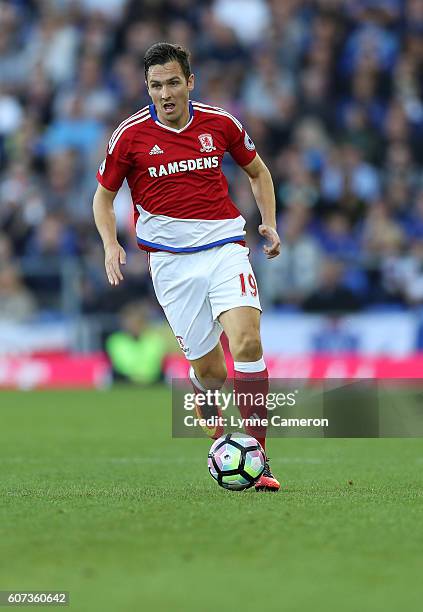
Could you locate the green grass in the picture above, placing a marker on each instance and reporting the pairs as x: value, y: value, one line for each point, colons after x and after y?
x: 96, y: 498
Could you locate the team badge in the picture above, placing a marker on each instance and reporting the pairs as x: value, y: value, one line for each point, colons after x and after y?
x: 206, y: 141
x: 181, y: 343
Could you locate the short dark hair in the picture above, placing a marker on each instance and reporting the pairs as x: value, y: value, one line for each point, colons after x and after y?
x: 162, y: 53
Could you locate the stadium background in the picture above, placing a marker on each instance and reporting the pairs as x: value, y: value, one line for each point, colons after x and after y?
x: 331, y: 93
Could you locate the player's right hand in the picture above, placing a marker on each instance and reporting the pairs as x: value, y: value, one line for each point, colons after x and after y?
x: 114, y: 257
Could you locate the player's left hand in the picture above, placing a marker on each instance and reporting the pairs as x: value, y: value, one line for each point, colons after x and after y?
x: 271, y: 235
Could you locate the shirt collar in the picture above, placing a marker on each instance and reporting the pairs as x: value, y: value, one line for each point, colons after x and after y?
x: 155, y: 117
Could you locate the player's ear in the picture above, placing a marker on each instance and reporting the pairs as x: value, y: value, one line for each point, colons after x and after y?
x: 190, y: 82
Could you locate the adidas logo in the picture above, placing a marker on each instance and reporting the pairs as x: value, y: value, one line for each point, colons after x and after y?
x: 156, y: 150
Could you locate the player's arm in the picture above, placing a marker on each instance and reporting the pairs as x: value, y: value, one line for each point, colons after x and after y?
x: 264, y: 194
x: 105, y: 220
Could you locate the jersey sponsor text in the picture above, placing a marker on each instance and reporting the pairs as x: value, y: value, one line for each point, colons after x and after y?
x: 185, y: 165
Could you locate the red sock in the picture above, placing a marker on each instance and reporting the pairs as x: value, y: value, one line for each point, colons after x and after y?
x: 255, y: 386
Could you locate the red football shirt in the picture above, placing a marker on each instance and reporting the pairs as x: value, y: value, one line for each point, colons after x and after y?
x: 179, y: 192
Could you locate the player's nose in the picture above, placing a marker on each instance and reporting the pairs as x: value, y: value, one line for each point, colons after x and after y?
x: 165, y: 93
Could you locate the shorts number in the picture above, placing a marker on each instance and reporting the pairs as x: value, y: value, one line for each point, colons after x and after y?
x: 251, y: 282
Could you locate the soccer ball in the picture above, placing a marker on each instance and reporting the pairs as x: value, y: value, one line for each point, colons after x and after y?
x: 236, y: 461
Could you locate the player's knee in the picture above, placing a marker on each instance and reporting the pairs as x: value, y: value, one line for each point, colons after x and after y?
x: 247, y: 348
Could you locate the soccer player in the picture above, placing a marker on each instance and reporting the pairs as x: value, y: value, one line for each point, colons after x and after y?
x: 171, y: 154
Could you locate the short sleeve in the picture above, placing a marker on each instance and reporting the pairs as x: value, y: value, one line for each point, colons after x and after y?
x: 115, y: 166
x: 240, y: 145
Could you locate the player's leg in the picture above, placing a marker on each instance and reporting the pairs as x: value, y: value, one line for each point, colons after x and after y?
x: 251, y: 379
x: 209, y: 373
x: 236, y: 306
x: 181, y: 287
x: 242, y: 326
x: 235, y: 298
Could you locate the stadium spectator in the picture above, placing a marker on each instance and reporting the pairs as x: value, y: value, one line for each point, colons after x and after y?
x: 137, y: 351
x: 290, y: 279
x: 249, y: 20
x: 16, y: 302
x: 6, y: 248
x: 53, y: 238
x: 53, y: 44
x: 72, y: 129
x: 14, y: 67
x: 411, y: 274
x: 98, y: 100
x: 332, y: 295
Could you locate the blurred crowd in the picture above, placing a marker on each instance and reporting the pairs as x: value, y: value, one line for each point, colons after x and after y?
x: 331, y: 91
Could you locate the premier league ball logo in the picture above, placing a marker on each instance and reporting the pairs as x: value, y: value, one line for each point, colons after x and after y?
x: 206, y: 141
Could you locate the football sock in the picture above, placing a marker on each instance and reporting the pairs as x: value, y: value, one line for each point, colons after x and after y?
x: 210, y: 409
x: 198, y: 387
x: 251, y: 386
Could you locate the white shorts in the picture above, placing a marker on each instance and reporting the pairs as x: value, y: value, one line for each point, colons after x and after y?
x: 195, y: 288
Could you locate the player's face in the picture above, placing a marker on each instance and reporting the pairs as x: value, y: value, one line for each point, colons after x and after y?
x: 169, y: 91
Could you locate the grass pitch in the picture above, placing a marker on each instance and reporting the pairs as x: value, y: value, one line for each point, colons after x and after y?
x: 96, y: 498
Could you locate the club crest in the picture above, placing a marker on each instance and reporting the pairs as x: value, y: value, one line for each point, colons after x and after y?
x: 206, y: 141
x: 181, y: 343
